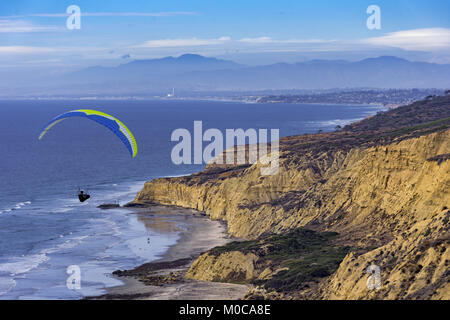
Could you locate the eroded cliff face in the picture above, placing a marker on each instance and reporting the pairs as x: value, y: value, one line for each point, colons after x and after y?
x: 390, y: 202
x: 414, y: 265
x: 384, y: 189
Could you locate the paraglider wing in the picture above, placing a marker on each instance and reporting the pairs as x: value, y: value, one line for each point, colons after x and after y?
x: 113, y: 124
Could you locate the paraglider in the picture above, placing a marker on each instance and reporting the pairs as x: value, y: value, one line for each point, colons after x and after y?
x: 113, y: 124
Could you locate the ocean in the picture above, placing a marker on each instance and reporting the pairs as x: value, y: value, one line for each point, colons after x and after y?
x: 44, y: 229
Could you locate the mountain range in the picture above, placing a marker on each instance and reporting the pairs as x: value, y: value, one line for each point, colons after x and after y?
x: 196, y: 73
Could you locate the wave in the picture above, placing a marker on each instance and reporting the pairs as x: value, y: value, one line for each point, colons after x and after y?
x: 6, y: 285
x: 100, y: 194
x: 16, y: 207
x: 24, y: 264
x: 127, y: 191
x: 334, y: 122
x: 72, y: 204
x: 177, y: 175
x: 18, y: 266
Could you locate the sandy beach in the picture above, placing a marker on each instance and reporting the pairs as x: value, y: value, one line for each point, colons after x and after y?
x: 163, y: 279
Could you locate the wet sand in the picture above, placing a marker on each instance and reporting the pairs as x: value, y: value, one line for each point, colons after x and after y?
x: 201, y: 234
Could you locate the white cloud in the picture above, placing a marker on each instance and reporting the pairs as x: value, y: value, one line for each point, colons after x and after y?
x: 109, y: 14
x: 57, y: 52
x: 16, y: 26
x: 24, y: 50
x: 262, y: 40
x: 163, y: 43
x: 257, y: 40
x: 431, y: 39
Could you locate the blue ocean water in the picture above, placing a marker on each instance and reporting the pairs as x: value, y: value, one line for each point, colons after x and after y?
x: 43, y: 227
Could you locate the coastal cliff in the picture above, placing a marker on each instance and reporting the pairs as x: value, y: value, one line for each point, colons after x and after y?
x: 381, y: 186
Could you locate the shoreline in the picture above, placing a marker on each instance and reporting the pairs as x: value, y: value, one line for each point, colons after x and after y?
x: 365, y: 104
x: 163, y: 278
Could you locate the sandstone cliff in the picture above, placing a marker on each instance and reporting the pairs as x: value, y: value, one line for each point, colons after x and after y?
x: 382, y: 184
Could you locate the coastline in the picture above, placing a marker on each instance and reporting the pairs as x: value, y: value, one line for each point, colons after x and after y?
x: 163, y: 279
x: 201, y: 235
x: 211, y: 99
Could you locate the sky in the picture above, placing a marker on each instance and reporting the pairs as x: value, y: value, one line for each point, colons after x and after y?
x: 34, y: 34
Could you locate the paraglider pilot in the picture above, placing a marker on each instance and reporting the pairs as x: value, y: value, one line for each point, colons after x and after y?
x: 83, y: 196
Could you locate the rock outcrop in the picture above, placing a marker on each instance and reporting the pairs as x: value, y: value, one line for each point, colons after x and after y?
x: 233, y: 266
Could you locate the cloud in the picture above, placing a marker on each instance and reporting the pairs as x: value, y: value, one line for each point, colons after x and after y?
x: 257, y: 40
x: 190, y: 42
x: 109, y: 14
x: 57, y: 52
x: 164, y: 43
x: 16, y: 26
x: 431, y: 39
x: 24, y: 50
x: 263, y: 40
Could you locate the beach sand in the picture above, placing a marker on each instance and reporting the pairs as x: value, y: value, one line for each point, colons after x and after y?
x: 200, y: 234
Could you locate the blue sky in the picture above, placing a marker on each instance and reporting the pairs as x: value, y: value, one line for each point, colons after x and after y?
x: 34, y: 34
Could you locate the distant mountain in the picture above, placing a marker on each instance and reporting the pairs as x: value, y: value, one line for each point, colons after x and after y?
x: 147, y: 76
x: 164, y: 66
x: 191, y: 72
x: 382, y: 72
x: 184, y: 63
